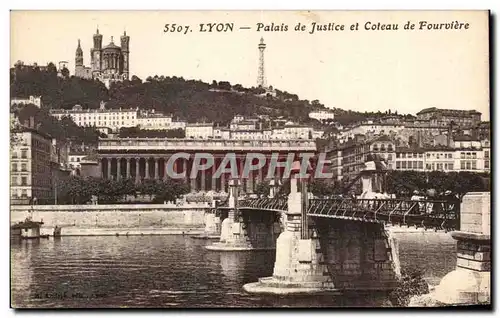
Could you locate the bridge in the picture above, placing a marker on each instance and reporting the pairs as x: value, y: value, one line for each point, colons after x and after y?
x: 342, y: 244
x: 429, y: 214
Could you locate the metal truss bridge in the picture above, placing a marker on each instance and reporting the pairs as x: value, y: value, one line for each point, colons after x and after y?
x: 429, y: 214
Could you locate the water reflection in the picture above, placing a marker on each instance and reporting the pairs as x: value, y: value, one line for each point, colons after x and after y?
x: 170, y: 271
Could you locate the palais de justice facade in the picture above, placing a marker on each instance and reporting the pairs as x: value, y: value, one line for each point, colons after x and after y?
x: 146, y: 158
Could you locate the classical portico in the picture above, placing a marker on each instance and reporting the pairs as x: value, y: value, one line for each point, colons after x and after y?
x: 147, y: 158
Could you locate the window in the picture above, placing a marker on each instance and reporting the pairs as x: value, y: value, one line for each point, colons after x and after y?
x: 420, y: 155
x: 403, y: 164
x: 428, y: 155
x: 24, y: 193
x: 398, y: 164
x: 403, y: 155
x: 474, y: 155
x: 474, y: 165
x: 428, y: 166
x: 13, y: 181
x: 486, y: 164
x: 420, y: 165
x: 14, y: 167
x: 24, y: 181
x: 462, y: 155
x: 14, y: 154
x: 24, y: 167
x: 389, y: 157
x: 398, y: 155
x: 462, y: 165
x: 409, y: 155
x: 486, y: 154
x: 450, y: 166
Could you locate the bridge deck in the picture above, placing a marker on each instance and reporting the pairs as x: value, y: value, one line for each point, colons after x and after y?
x: 435, y: 214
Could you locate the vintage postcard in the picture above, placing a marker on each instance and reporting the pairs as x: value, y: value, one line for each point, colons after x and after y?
x: 195, y: 159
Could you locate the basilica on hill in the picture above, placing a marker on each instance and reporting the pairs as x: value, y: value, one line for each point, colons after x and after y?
x: 107, y: 64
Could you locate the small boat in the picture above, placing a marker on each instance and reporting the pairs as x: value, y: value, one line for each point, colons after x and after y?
x: 27, y: 229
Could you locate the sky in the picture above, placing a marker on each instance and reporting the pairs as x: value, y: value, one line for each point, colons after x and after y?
x: 363, y: 70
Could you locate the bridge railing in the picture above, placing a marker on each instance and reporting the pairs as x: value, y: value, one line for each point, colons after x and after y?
x: 278, y: 204
x: 436, y: 214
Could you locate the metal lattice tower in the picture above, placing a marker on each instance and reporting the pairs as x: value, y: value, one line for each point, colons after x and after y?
x: 261, y: 79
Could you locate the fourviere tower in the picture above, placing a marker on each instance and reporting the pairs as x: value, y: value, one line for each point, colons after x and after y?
x: 108, y: 64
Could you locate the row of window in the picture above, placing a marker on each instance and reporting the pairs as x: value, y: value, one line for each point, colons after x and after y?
x: 15, y: 167
x: 468, y: 155
x: 103, y: 123
x: 410, y: 164
x: 24, y: 154
x: 440, y: 155
x: 382, y: 147
x: 105, y: 117
x: 43, y: 146
x: 16, y: 181
x: 468, y: 165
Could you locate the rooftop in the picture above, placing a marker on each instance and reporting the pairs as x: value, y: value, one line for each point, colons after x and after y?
x: 449, y: 111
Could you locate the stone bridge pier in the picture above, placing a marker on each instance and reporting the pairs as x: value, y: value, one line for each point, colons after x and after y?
x: 470, y: 282
x: 244, y: 230
x: 328, y: 255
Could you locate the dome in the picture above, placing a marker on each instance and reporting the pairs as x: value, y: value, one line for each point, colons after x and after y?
x: 111, y: 46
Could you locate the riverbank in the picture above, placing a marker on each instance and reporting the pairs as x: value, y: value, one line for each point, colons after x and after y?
x: 96, y: 220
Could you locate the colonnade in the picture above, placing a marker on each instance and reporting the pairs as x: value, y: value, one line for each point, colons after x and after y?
x: 155, y: 168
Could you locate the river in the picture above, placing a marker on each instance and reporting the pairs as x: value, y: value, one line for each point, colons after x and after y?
x: 176, y: 271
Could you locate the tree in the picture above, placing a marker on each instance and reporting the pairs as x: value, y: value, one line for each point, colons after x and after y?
x: 263, y: 189
x: 321, y: 188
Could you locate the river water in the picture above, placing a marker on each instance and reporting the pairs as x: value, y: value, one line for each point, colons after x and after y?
x: 176, y: 271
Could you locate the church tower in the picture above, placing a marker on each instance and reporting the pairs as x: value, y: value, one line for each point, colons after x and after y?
x: 95, y: 53
x: 125, y: 40
x: 79, y: 60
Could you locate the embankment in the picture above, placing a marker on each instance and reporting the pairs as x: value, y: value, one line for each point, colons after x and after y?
x: 146, y: 219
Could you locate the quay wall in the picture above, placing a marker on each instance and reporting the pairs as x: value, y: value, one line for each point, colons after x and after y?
x: 116, y: 218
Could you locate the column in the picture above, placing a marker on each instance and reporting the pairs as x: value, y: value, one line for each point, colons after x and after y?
x: 128, y: 168
x: 156, y: 168
x: 214, y: 181
x: 470, y: 282
x: 165, y: 175
x: 137, y: 172
x: 192, y: 180
x: 250, y: 182
x: 109, y: 167
x: 203, y: 179
x: 240, y: 172
x: 146, y: 169
x: 118, y: 168
x: 100, y: 167
x: 184, y: 168
x: 223, y: 182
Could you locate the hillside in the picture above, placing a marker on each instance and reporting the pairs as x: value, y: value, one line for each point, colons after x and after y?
x: 191, y: 100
